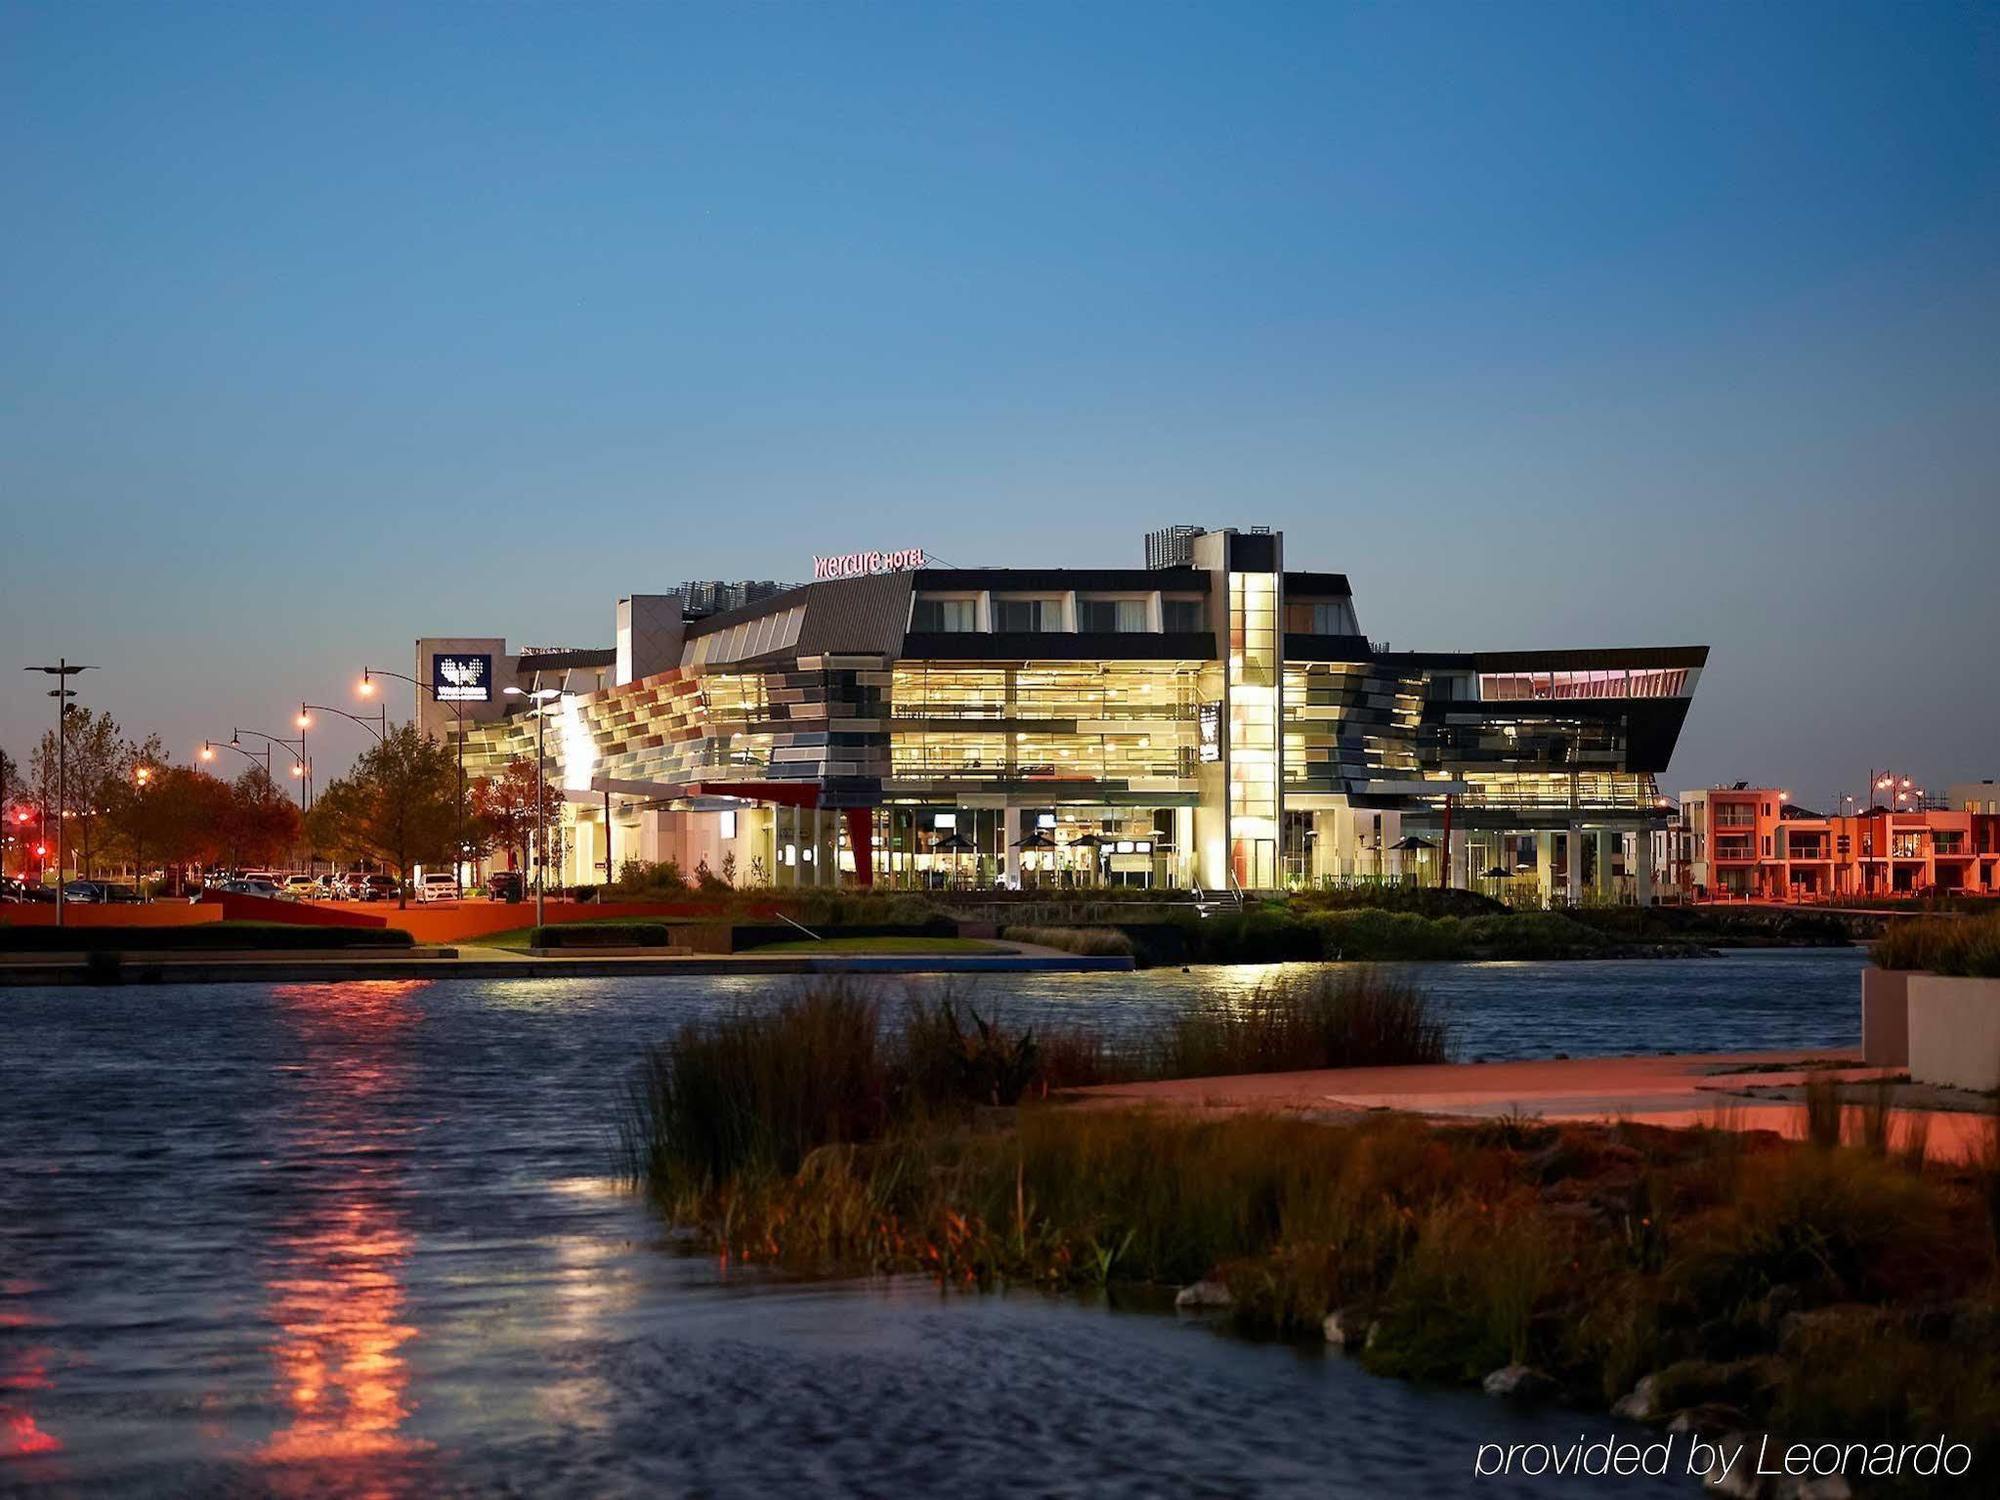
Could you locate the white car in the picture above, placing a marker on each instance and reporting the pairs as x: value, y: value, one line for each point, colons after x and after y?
x: 252, y: 888
x: 438, y: 885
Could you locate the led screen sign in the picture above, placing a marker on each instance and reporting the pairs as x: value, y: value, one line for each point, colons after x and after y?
x: 459, y: 677
x: 1208, y: 720
x: 862, y: 564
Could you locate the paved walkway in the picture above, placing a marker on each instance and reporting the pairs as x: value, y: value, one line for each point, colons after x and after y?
x: 1737, y: 1091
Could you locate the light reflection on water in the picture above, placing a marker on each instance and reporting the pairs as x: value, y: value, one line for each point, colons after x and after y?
x: 336, y: 1295
x: 359, y: 1239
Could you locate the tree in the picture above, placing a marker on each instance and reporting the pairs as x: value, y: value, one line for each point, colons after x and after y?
x: 504, y: 808
x: 398, y: 805
x: 89, y: 764
x: 181, y: 816
x: 260, y: 823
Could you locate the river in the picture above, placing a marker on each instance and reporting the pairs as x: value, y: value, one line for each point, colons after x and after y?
x: 361, y: 1239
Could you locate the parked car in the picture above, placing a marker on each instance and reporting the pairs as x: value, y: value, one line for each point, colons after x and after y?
x: 16, y: 892
x: 253, y: 888
x: 331, y: 888
x: 299, y: 885
x: 505, y: 885
x: 85, y: 892
x: 438, y: 885
x: 269, y: 877
x: 376, y: 888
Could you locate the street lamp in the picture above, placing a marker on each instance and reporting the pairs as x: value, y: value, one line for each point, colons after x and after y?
x: 366, y: 687
x: 62, y: 671
x: 301, y: 767
x: 140, y: 779
x: 540, y: 698
x: 377, y: 726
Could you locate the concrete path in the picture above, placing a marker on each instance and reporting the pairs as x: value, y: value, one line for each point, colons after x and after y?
x: 1736, y: 1091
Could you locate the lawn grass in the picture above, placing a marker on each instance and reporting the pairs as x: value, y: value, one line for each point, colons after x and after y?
x: 886, y: 944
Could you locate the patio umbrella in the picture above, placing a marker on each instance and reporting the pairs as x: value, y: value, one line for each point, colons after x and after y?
x: 954, y: 844
x: 1411, y: 841
x: 1500, y: 872
x: 1036, y: 839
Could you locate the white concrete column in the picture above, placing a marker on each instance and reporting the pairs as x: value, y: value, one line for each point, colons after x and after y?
x: 1545, y: 865
x: 1461, y: 859
x: 1010, y: 834
x: 1573, y: 848
x: 1642, y: 867
x: 1607, y: 843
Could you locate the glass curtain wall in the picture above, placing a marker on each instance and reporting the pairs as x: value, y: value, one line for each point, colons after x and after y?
x: 1255, y: 674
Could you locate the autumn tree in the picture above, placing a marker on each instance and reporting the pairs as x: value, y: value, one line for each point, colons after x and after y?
x: 399, y: 804
x: 260, y: 821
x: 504, y: 807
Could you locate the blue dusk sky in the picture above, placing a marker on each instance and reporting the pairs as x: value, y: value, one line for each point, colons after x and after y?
x: 324, y: 327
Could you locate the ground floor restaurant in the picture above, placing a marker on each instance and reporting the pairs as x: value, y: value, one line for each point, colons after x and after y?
x: 977, y: 844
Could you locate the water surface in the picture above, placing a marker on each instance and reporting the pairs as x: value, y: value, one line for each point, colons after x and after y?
x: 360, y: 1239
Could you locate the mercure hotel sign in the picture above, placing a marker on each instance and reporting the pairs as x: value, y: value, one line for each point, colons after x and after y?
x: 862, y: 564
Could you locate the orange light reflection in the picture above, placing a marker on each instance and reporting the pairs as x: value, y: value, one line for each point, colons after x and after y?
x: 336, y: 1291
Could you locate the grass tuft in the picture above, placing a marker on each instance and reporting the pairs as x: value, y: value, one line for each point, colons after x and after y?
x: 1329, y: 1018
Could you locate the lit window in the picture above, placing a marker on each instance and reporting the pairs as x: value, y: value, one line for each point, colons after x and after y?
x: 952, y: 616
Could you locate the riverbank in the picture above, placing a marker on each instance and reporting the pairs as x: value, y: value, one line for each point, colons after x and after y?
x: 1617, y: 1232
x: 1721, y: 1281
x: 474, y: 963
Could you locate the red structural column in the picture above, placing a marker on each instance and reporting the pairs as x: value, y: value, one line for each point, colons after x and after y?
x: 861, y: 839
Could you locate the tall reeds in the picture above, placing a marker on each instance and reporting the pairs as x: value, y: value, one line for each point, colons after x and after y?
x: 1965, y: 946
x: 1327, y: 1018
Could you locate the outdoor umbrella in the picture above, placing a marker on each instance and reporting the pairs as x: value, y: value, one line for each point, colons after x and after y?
x: 1499, y: 872
x: 1036, y: 839
x: 954, y: 844
x: 1411, y: 841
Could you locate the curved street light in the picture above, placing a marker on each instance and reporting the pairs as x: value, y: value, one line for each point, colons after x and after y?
x: 378, y: 726
x: 366, y: 688
x: 301, y: 767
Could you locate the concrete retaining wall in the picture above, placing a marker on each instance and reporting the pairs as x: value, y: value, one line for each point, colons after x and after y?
x: 1885, y: 1017
x: 1955, y: 1031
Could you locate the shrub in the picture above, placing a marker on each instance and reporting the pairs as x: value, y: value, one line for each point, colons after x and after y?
x: 759, y: 1091
x: 1965, y: 946
x: 1088, y: 941
x: 202, y: 937
x: 600, y: 935
x: 1330, y: 1018
x: 639, y: 878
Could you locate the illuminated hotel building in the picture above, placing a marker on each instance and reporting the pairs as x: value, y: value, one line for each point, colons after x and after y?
x: 1214, y: 720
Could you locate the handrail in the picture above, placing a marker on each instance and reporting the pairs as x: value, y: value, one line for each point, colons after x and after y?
x: 801, y: 927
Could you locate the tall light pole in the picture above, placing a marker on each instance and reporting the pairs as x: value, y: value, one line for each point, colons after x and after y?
x: 377, y: 726
x: 367, y: 690
x: 294, y: 748
x: 208, y: 748
x: 540, y: 698
x: 62, y: 671
x: 141, y: 775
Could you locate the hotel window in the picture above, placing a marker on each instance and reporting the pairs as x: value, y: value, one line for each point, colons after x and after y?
x: 1111, y: 614
x: 1182, y: 616
x: 947, y: 616
x: 1323, y: 617
x: 1034, y: 615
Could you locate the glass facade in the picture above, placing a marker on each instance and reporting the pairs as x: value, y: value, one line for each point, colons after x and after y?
x: 1255, y: 684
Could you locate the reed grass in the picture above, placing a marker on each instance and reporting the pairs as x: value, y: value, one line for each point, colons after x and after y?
x: 1963, y: 946
x: 1328, y: 1018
